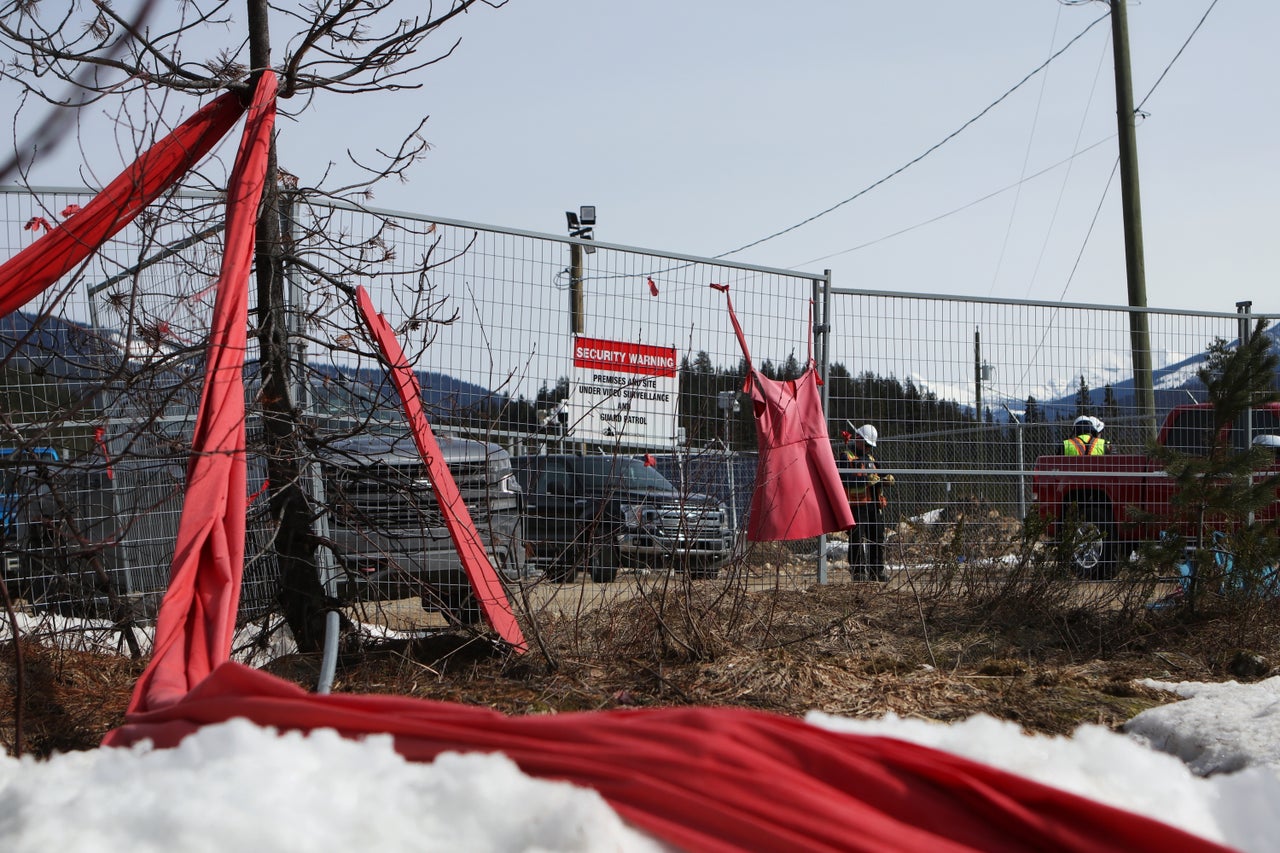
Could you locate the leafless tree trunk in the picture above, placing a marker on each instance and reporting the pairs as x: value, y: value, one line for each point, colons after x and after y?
x: 301, y: 595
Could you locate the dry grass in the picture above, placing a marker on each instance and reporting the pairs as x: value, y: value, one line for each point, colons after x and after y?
x: 859, y: 650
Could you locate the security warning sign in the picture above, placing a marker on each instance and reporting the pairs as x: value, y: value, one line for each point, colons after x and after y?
x: 622, y: 391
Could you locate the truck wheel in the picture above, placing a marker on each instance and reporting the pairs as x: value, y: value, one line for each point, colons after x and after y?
x: 457, y: 603
x: 604, y: 564
x: 1096, y: 552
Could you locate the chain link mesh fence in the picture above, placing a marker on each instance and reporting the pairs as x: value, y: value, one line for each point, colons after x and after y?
x: 531, y: 346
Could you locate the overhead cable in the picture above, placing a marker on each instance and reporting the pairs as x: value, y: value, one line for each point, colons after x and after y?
x: 926, y: 153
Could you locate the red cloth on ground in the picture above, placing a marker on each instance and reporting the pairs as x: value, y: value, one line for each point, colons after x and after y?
x: 797, y: 492
x: 475, y: 561
x: 28, y: 273
x: 197, y: 617
x: 708, y: 779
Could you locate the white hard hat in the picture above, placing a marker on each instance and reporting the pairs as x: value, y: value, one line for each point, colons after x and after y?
x: 1085, y: 422
x: 868, y: 434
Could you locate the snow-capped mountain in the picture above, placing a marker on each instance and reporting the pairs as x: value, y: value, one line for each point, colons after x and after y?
x: 1174, y: 382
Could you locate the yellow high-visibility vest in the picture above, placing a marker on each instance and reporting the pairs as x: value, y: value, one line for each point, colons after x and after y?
x: 1084, y: 445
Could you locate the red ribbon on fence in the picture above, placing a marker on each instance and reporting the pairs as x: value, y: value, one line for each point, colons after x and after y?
x: 98, y: 439
x: 31, y: 271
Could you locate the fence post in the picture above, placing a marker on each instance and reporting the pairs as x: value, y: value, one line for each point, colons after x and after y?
x: 295, y: 311
x: 822, y: 353
x: 1022, y: 460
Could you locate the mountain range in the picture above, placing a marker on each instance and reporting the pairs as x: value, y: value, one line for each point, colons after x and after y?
x: 1174, y: 382
x: 53, y: 350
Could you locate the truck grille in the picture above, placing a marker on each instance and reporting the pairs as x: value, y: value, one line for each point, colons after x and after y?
x: 690, y: 521
x: 388, y: 497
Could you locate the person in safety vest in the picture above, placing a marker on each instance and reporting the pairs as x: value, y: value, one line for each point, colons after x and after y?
x: 1085, y: 439
x: 860, y: 476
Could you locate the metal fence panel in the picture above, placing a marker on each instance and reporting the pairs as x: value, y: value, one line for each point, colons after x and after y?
x: 965, y: 393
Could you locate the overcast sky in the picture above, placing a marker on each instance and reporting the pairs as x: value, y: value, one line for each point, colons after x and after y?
x: 703, y: 127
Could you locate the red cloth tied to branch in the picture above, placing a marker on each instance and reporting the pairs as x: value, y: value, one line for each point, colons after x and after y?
x: 197, y: 618
x: 31, y: 271
x: 485, y: 584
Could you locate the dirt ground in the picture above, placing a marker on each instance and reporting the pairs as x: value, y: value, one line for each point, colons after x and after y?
x: 859, y: 650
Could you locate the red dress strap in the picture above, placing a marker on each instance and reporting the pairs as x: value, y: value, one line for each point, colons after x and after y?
x: 810, y: 363
x: 737, y: 328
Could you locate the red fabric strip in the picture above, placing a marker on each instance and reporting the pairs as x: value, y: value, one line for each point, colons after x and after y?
x: 709, y: 779
x: 475, y: 561
x: 197, y: 617
x: 737, y: 328
x: 28, y: 273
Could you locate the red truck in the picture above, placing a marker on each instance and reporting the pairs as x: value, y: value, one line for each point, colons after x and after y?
x: 1096, y: 493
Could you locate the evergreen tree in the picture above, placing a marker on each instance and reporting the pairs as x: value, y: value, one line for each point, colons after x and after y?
x: 1083, y: 403
x: 793, y: 368
x: 1219, y: 497
x: 1109, y: 407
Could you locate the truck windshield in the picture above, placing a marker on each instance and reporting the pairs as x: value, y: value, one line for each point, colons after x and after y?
x: 1265, y: 422
x: 629, y: 474
x: 1192, y: 432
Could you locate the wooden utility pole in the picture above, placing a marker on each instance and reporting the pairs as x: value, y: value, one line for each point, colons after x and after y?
x: 1139, y: 333
x: 576, y: 308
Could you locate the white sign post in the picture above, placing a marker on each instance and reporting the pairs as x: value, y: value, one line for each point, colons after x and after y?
x: 623, y: 392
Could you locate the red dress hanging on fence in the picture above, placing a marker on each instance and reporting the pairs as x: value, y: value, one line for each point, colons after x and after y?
x: 797, y: 492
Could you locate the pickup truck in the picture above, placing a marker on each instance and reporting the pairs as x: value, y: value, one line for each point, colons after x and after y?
x: 602, y: 512
x: 1095, y: 494
x: 388, y: 532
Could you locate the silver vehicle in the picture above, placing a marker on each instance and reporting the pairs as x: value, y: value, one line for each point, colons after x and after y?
x: 388, y: 533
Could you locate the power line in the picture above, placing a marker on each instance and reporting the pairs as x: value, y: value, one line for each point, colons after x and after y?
x: 1084, y: 244
x: 1195, y: 30
x: 927, y: 151
x: 961, y: 208
x: 1026, y: 159
x: 1107, y: 188
x: 956, y: 133
x: 1044, y: 246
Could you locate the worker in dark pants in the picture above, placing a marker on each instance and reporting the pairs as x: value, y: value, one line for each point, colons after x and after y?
x: 865, y: 489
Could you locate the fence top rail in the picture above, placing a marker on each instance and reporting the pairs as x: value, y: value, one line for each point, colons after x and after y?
x: 1013, y: 470
x: 663, y: 254
x: 693, y: 259
x: 1041, y: 303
